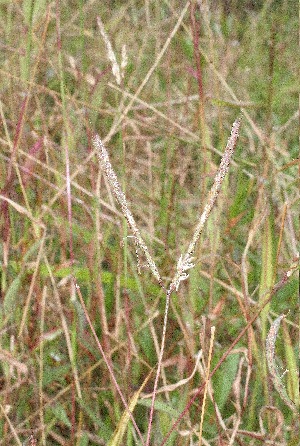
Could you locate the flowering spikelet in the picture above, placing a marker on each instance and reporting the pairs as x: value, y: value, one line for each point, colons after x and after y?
x: 110, y: 52
x: 223, y: 169
x: 32, y: 441
x: 184, y: 264
x: 118, y: 193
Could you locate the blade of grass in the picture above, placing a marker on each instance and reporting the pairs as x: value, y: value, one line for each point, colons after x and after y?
x: 118, y: 435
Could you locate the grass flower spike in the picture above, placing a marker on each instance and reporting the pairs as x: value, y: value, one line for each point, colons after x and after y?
x: 118, y: 193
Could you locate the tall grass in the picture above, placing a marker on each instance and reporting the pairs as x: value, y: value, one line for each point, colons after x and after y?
x: 102, y: 341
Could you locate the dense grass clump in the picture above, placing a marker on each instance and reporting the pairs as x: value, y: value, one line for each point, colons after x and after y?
x: 148, y: 283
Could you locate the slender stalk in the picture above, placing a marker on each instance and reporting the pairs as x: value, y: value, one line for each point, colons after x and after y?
x: 41, y: 372
x: 212, y: 331
x: 162, y: 348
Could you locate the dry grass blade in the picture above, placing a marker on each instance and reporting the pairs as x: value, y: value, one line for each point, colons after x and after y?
x: 150, y: 72
x: 13, y: 430
x: 182, y: 382
x: 110, y: 52
x: 270, y: 352
x: 6, y: 356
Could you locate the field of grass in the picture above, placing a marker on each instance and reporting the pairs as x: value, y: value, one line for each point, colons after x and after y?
x: 82, y: 316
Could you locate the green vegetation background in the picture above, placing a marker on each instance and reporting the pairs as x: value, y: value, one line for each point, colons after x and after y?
x: 57, y: 89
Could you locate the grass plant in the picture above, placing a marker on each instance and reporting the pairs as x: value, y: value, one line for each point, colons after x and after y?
x: 148, y: 270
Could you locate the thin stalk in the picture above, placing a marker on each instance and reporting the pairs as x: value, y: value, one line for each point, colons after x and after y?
x: 41, y: 373
x: 201, y: 104
x: 162, y: 348
x: 212, y: 332
x: 25, y: 61
x: 13, y: 430
x: 67, y: 145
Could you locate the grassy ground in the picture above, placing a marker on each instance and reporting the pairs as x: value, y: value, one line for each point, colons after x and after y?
x: 187, y: 74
